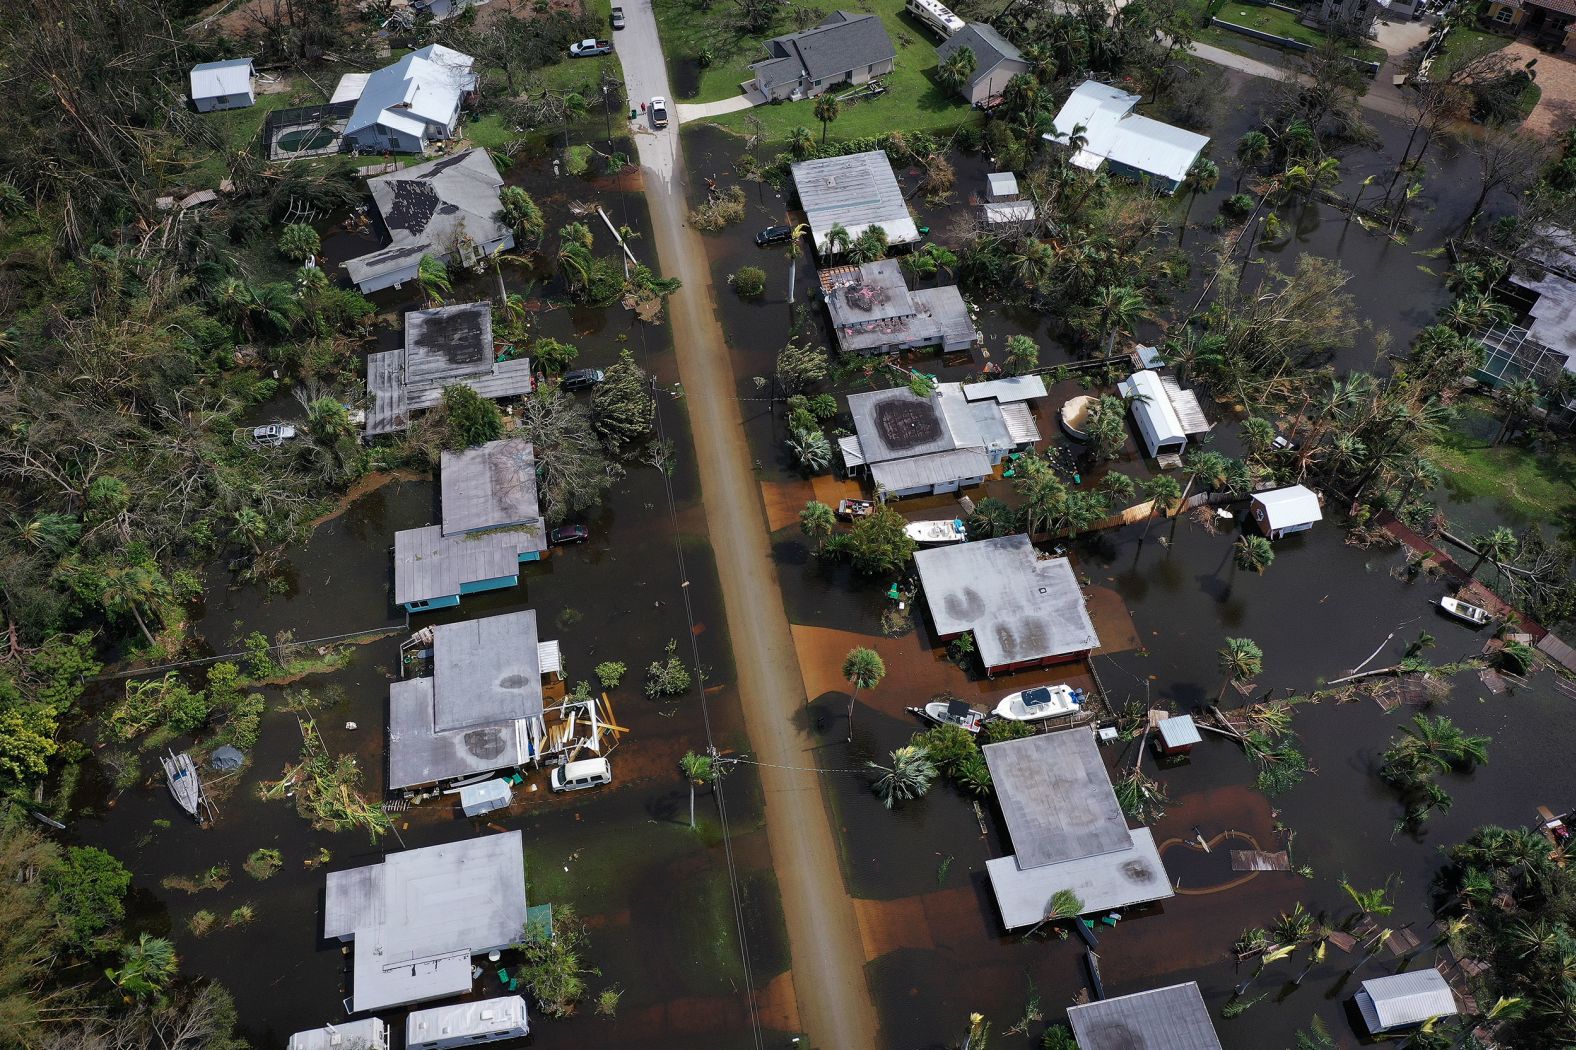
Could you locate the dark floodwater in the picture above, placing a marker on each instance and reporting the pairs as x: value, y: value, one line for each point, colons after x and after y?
x: 1321, y: 610
x: 656, y: 895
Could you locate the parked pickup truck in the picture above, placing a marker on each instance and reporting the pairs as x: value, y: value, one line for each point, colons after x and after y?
x: 587, y: 48
x: 618, y: 18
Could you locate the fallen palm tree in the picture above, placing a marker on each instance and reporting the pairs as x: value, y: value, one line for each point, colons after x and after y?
x: 326, y: 788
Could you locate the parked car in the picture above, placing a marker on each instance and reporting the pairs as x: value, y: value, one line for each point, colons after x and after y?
x: 583, y: 378
x: 773, y: 235
x: 273, y: 435
x: 567, y: 534
x: 659, y: 111
x: 618, y: 18
x: 588, y: 48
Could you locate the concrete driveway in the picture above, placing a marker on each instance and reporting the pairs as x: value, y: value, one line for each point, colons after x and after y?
x: 700, y: 110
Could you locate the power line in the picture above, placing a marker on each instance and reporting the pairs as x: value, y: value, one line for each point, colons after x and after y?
x: 197, y: 661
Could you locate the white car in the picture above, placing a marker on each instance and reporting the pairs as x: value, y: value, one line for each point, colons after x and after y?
x: 659, y: 111
x: 273, y: 435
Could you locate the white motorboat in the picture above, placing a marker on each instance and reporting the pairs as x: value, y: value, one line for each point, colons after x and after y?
x: 937, y: 531
x: 952, y: 713
x: 1462, y: 611
x: 1046, y: 701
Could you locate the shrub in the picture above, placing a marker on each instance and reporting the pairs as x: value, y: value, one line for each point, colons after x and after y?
x: 610, y: 673
x: 999, y: 729
x: 749, y: 282
x: 668, y: 677
x: 263, y: 863
x: 1237, y: 205
x: 87, y: 892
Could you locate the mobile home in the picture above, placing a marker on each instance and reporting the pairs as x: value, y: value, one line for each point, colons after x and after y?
x: 932, y: 15
x: 467, y: 1024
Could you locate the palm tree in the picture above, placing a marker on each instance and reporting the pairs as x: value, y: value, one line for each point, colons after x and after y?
x: 838, y: 239
x: 908, y: 776
x: 1253, y: 553
x: 811, y: 450
x: 1201, y: 178
x: 134, y: 589
x: 1117, y: 310
x: 1518, y: 400
x: 1253, y: 149
x: 863, y: 669
x: 1239, y: 660
x: 816, y: 521
x: 793, y: 255
x: 433, y: 278
x: 827, y: 109
x: 1306, y: 179
x: 1033, y: 262
x: 956, y: 70
x: 147, y: 966
x: 1163, y: 491
x: 800, y: 142
x: 697, y: 769
x: 1369, y: 902
x: 1498, y: 545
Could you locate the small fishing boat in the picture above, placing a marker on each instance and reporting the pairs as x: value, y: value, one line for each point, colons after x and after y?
x: 185, y: 784
x: 854, y: 508
x: 1046, y: 701
x: 937, y: 531
x: 951, y: 713
x: 1462, y: 611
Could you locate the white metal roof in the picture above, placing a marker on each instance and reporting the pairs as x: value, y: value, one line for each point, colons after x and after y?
x: 1173, y: 1018
x: 853, y: 451
x: 1006, y: 391
x: 1009, y: 211
x: 233, y: 76
x: 1146, y: 396
x: 1104, y: 881
x: 1289, y: 507
x: 1001, y: 184
x: 1179, y: 731
x: 350, y: 87
x: 465, y: 1020
x: 366, y: 1034
x: 858, y: 191
x: 422, y: 88
x: 1111, y: 131
x: 1405, y: 999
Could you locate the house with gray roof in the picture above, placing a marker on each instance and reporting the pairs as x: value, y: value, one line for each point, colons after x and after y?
x: 854, y: 192
x: 1068, y: 833
x: 418, y: 917
x: 405, y: 107
x: 1404, y: 999
x: 447, y: 208
x: 1173, y: 1018
x: 443, y: 347
x: 491, y: 524
x: 478, y: 712
x: 227, y: 84
x: 1023, y: 609
x: 874, y: 312
x: 914, y: 446
x: 996, y: 61
x: 844, y: 48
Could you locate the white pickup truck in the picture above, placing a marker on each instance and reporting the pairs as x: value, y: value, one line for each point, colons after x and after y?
x: 588, y: 48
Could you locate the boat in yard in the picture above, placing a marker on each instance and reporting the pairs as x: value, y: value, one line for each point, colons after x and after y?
x: 937, y: 531
x: 952, y: 713
x: 185, y: 785
x: 1045, y: 701
x: 854, y: 508
x: 1462, y: 611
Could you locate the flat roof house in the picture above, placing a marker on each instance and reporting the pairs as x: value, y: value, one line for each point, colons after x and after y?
x: 1134, y: 146
x: 1281, y: 512
x: 912, y: 446
x: 223, y: 85
x: 490, y: 525
x: 1067, y: 831
x: 1166, y: 414
x: 416, y: 101
x: 443, y: 347
x: 480, y: 710
x: 844, y: 48
x: 874, y: 312
x: 366, y: 1034
x: 417, y: 917
x: 1024, y: 610
x: 448, y: 208
x: 854, y: 192
x: 996, y: 61
x: 1405, y: 999
x: 1173, y: 1018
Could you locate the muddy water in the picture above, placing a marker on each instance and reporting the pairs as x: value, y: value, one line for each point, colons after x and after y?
x: 656, y: 896
x: 928, y: 922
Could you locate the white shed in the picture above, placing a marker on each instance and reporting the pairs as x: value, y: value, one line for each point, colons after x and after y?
x: 1405, y: 999
x: 1282, y: 511
x: 476, y: 799
x: 223, y: 85
x: 1001, y: 186
x: 1156, y: 417
x: 467, y: 1024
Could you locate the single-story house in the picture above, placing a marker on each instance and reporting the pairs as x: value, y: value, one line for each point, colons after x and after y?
x: 1354, y: 16
x: 1280, y: 512
x: 223, y: 85
x: 490, y: 526
x: 366, y: 1034
x: 1023, y: 610
x: 1404, y: 1000
x: 844, y: 48
x: 1165, y: 413
x: 914, y: 446
x: 1173, y: 1018
x: 404, y: 107
x: 447, y: 208
x: 1113, y: 135
x: 1067, y: 831
x: 996, y: 61
x: 445, y: 346
x: 874, y: 312
x: 1552, y: 23
x: 417, y: 917
x: 854, y: 192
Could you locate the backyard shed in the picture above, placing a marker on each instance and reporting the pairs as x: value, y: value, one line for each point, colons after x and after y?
x: 1001, y: 186
x: 1173, y: 1018
x: 1178, y: 734
x: 417, y: 917
x: 1283, y: 511
x: 1158, y: 422
x: 855, y: 192
x: 467, y: 1024
x: 366, y: 1034
x: 1403, y: 1000
x: 223, y: 85
x: 477, y: 799
x: 1024, y: 610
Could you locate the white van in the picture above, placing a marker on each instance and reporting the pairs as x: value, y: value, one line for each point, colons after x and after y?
x: 937, y: 17
x: 577, y: 776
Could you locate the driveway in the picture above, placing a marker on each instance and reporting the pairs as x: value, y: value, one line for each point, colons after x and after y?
x: 835, y: 1006
x: 700, y: 110
x: 1555, y: 112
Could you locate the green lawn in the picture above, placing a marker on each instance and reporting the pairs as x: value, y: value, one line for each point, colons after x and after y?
x: 1465, y: 43
x: 1537, y: 482
x: 240, y: 130
x: 1266, y: 20
x: 688, y: 30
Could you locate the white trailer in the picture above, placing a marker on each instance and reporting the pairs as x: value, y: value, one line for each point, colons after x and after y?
x: 366, y: 1034
x: 467, y: 1024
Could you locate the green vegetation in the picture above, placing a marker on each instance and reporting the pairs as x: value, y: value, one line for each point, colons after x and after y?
x: 749, y: 282
x: 908, y: 777
x: 668, y: 676
x: 86, y: 891
x: 1533, y: 480
x: 551, y: 968
x: 263, y: 863
x: 1267, y: 20
x: 609, y: 673
x: 1427, y: 748
x: 327, y: 789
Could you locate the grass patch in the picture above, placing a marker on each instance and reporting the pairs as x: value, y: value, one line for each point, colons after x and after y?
x: 687, y: 30
x: 1462, y: 44
x: 239, y: 131
x: 1537, y: 481
x: 1265, y: 20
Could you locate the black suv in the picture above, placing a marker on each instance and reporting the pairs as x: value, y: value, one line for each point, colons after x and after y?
x: 773, y: 235
x: 583, y: 378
